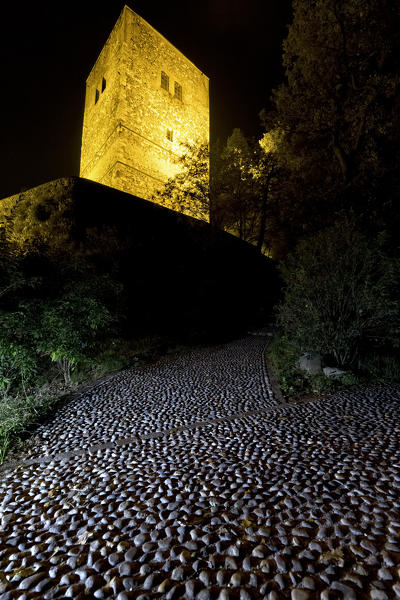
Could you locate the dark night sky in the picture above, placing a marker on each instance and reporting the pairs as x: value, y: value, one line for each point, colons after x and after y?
x: 49, y: 48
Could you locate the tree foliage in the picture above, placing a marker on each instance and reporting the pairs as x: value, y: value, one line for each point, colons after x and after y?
x: 231, y: 186
x: 338, y: 111
x: 341, y: 292
x: 50, y: 310
x: 70, y: 327
x: 248, y: 175
x: 188, y: 191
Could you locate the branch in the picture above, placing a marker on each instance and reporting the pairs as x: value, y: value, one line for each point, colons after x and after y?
x: 342, y: 159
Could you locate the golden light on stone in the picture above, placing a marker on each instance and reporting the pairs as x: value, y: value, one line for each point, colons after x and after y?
x: 144, y: 100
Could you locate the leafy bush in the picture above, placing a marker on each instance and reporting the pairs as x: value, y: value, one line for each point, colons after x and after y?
x: 70, y: 328
x: 18, y: 357
x: 341, y: 292
x: 381, y: 367
x: 283, y: 356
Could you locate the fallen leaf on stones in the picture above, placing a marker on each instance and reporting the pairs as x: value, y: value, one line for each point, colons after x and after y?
x: 55, y: 551
x: 246, y: 523
x: 110, y: 583
x: 192, y: 520
x: 23, y: 572
x: 82, y: 539
x: 335, y: 556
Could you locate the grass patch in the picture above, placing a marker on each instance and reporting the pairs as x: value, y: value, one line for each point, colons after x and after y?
x: 19, y: 413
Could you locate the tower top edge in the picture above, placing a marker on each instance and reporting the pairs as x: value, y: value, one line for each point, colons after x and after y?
x: 126, y: 9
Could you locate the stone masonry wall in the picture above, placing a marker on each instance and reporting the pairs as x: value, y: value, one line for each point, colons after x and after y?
x: 125, y: 134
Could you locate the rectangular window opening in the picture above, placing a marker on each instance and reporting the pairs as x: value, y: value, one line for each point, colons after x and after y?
x: 170, y: 135
x: 178, y: 91
x: 103, y: 85
x: 164, y: 81
x: 96, y: 97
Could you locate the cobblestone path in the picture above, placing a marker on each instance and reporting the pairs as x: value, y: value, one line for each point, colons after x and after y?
x: 259, y: 501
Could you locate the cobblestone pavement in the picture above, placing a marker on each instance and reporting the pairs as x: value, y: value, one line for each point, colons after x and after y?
x: 210, y: 383
x: 292, y: 502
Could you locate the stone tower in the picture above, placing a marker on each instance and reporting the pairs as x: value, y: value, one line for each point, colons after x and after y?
x: 144, y: 99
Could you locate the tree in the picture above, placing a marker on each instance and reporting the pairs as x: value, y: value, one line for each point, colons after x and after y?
x: 50, y: 308
x: 71, y: 326
x: 188, y: 191
x: 249, y: 173
x: 233, y: 188
x: 341, y: 292
x: 339, y: 110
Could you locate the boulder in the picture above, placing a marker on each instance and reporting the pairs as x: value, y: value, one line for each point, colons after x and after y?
x: 311, y: 363
x: 333, y: 372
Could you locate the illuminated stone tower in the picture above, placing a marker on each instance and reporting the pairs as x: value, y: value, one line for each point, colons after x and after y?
x: 143, y: 99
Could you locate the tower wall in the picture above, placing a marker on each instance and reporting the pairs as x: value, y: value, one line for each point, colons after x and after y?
x: 128, y: 126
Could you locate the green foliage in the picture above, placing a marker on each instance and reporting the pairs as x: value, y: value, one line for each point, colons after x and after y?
x: 18, y: 366
x: 249, y: 175
x: 36, y: 221
x: 233, y: 189
x: 18, y: 356
x: 380, y: 366
x: 70, y: 328
x: 341, y: 292
x: 283, y: 355
x: 62, y: 319
x: 18, y: 413
x: 338, y: 114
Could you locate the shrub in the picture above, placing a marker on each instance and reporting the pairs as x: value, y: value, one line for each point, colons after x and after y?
x: 385, y: 367
x: 283, y: 357
x: 293, y: 382
x: 341, y: 292
x: 18, y: 356
x: 71, y: 326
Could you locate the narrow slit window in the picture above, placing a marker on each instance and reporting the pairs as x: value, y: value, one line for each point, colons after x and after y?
x: 103, y: 85
x: 170, y: 135
x: 96, y: 97
x: 164, y: 81
x: 178, y: 91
